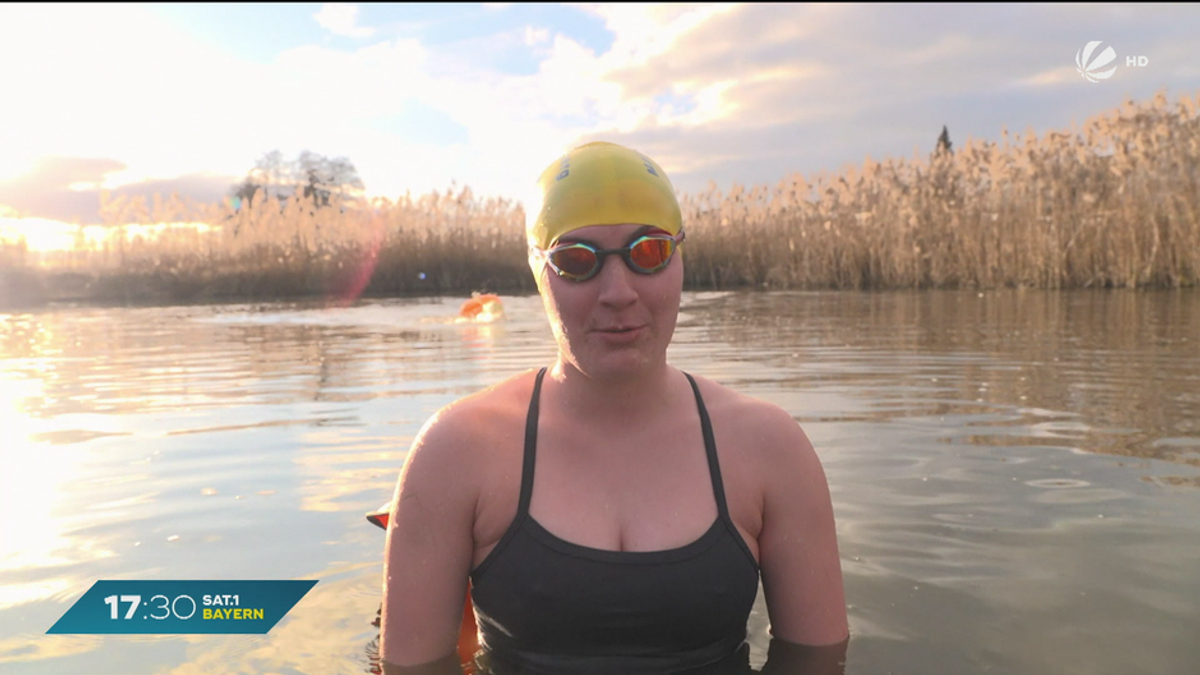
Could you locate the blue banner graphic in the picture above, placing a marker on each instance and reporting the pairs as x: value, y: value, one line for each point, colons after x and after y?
x: 181, y: 607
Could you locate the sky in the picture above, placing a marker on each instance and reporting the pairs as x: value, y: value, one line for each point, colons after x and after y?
x: 145, y: 99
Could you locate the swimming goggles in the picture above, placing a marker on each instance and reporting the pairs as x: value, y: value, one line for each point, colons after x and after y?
x: 579, y: 261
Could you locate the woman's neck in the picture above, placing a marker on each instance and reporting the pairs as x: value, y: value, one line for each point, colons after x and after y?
x: 617, y: 400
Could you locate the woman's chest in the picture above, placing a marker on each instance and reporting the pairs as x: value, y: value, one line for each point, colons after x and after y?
x: 649, y: 492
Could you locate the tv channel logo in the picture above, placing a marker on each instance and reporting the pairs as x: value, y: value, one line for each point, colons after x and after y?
x: 1095, y: 65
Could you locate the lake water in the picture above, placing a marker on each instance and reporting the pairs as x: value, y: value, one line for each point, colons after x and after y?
x: 1016, y: 475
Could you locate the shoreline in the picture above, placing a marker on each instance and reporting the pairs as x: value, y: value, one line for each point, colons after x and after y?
x: 25, y: 290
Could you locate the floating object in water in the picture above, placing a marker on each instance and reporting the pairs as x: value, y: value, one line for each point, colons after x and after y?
x: 380, y: 515
x: 482, y: 307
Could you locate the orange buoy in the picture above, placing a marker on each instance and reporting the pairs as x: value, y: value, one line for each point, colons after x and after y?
x: 468, y: 637
x: 481, y: 304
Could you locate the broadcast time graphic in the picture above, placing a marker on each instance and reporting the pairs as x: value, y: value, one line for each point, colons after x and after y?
x: 181, y: 607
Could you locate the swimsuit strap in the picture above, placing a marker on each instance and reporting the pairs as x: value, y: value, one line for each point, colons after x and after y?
x: 710, y: 449
x: 714, y: 467
x: 531, y: 428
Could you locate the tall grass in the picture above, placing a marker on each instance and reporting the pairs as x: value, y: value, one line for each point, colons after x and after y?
x: 1111, y: 204
x: 434, y: 243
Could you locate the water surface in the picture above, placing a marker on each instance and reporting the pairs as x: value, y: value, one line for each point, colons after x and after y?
x: 1016, y: 475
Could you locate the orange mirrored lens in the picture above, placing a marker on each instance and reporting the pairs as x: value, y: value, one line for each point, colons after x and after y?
x: 575, y: 261
x: 650, y: 254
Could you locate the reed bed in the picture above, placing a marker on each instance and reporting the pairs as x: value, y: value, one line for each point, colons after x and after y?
x: 1112, y: 204
x: 274, y: 249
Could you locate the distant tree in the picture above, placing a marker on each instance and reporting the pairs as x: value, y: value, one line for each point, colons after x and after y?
x: 245, y: 191
x: 319, y: 177
x: 943, y: 142
x: 323, y: 177
x: 273, y: 173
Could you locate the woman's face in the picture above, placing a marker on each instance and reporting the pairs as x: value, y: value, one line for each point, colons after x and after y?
x: 619, y: 322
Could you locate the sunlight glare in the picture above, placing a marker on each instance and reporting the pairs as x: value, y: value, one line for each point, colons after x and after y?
x: 32, y: 483
x: 43, y: 235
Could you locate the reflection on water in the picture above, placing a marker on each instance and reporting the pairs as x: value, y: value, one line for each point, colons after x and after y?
x: 1101, y: 372
x: 1014, y: 473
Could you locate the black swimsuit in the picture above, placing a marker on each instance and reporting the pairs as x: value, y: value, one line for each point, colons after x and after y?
x: 547, y: 606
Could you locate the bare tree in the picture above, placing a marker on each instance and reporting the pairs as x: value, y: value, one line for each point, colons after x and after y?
x: 319, y: 177
x: 323, y: 177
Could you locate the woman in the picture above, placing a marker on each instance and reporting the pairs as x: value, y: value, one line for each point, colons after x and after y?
x: 612, y: 513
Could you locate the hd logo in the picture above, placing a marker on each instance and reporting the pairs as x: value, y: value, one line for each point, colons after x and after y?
x: 1100, y: 66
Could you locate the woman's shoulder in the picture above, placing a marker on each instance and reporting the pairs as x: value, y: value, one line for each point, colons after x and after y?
x: 762, y: 429
x: 734, y: 407
x: 461, y: 430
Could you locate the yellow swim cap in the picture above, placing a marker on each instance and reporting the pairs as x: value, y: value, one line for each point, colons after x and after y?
x: 600, y: 184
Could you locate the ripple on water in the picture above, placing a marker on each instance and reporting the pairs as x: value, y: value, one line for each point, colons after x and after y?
x: 1057, y: 483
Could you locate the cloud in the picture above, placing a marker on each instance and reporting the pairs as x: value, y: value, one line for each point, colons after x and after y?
x: 535, y: 36
x: 1051, y: 77
x: 92, y: 91
x: 59, y: 187
x: 753, y: 92
x: 340, y: 18
x: 68, y: 188
x: 746, y: 92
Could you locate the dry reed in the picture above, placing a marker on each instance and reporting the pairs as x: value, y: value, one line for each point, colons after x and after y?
x: 1112, y: 204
